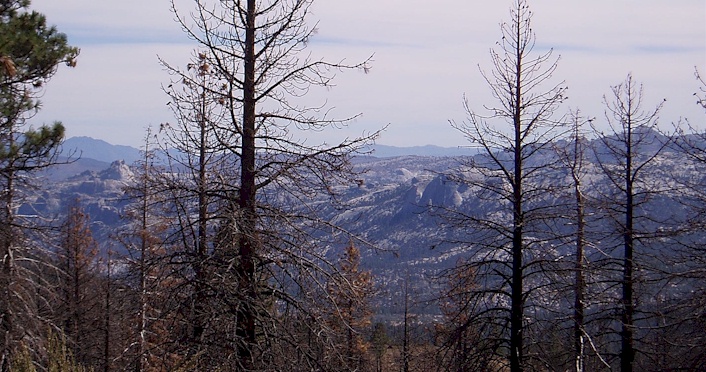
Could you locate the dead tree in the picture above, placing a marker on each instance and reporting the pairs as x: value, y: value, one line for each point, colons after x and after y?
x: 627, y: 156
x: 195, y: 186
x: 253, y: 50
x: 512, y: 137
x: 689, y: 264
x: 77, y: 310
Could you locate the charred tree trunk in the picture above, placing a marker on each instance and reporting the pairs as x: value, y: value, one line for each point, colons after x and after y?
x: 248, y: 246
x: 627, y: 352
x: 579, y: 275
x: 517, y: 288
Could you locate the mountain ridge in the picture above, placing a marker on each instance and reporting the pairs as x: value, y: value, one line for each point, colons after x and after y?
x: 91, y: 148
x: 387, y: 206
x: 85, y: 147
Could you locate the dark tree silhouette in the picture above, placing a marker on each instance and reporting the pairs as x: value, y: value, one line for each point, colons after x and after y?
x: 627, y: 156
x: 513, y: 137
x: 257, y: 78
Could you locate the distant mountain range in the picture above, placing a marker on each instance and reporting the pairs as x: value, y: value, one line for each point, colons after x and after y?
x: 387, y: 206
x: 384, y: 151
x: 96, y: 149
x: 91, y: 148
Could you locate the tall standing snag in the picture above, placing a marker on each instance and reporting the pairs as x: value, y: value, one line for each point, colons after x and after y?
x: 691, y: 254
x: 573, y: 156
x: 628, y: 157
x: 254, y: 51
x: 511, y: 169
x: 195, y: 183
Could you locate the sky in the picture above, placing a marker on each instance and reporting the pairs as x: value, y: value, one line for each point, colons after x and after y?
x: 426, y: 56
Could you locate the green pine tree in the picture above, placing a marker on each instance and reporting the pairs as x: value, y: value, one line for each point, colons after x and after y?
x: 30, y: 52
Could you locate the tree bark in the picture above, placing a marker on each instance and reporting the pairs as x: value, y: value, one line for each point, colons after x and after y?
x: 627, y: 353
x: 248, y: 246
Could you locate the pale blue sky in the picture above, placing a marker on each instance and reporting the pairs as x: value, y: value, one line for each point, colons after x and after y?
x: 426, y: 55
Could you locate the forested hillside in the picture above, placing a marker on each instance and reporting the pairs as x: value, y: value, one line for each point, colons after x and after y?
x: 232, y: 241
x: 407, y: 215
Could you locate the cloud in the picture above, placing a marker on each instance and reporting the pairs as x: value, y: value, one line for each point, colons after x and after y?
x: 426, y: 57
x: 91, y: 22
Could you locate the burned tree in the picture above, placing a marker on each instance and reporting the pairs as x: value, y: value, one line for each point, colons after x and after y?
x: 628, y: 156
x: 199, y: 171
x: 509, y: 243
x: 77, y: 311
x: 264, y: 246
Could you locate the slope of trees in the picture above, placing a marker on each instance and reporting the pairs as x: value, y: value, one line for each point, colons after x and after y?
x: 226, y: 261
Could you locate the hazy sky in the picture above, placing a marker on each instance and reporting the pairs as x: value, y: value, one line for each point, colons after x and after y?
x: 426, y: 56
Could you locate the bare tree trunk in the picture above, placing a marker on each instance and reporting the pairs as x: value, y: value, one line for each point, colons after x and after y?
x: 248, y: 246
x: 573, y: 156
x: 507, y: 157
x: 6, y: 275
x: 516, y: 307
x: 579, y: 279
x: 627, y: 353
x: 144, y: 251
x: 202, y: 235
x: 629, y: 151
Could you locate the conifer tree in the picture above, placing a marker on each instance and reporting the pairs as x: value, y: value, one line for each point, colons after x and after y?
x: 457, y: 334
x: 627, y: 156
x: 145, y: 238
x: 690, y: 265
x: 193, y: 189
x: 379, y: 341
x: 30, y: 52
x: 79, y: 306
x: 352, y: 293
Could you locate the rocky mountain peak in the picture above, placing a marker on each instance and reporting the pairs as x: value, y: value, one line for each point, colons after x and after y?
x: 118, y: 170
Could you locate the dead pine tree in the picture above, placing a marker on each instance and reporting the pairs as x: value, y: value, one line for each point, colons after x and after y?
x: 457, y: 335
x: 574, y: 157
x: 352, y: 292
x: 690, y: 329
x: 628, y: 156
x: 195, y: 187
x: 513, y: 137
x: 147, y: 274
x: 574, y: 153
x: 77, y: 311
x: 255, y: 53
